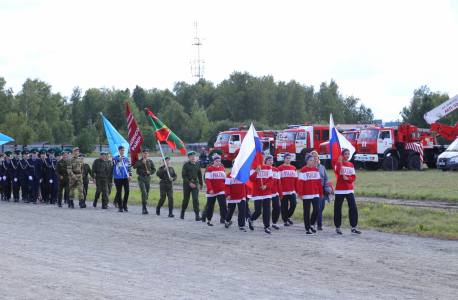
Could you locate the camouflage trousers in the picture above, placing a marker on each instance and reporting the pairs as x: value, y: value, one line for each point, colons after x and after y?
x: 102, y: 187
x: 64, y: 183
x: 166, y: 190
x: 144, y: 183
x: 78, y: 184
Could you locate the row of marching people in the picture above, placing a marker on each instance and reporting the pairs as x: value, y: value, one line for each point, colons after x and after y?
x: 274, y: 191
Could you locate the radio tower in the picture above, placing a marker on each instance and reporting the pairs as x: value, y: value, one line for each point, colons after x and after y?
x: 197, y: 64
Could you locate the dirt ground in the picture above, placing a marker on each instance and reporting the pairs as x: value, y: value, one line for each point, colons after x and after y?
x: 48, y: 252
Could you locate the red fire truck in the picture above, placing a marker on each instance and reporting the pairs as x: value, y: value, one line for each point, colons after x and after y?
x: 299, y: 140
x: 229, y: 142
x: 395, y: 148
x: 325, y: 156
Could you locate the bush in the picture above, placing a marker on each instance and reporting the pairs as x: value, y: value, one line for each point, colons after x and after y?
x: 84, y: 141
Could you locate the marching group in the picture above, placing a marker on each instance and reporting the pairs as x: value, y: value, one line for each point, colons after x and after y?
x: 47, y: 173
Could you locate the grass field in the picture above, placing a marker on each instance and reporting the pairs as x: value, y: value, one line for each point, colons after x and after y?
x: 382, y: 217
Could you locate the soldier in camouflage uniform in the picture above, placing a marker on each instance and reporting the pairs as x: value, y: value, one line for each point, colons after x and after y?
x: 75, y: 172
x: 192, y: 183
x: 62, y: 175
x: 86, y: 172
x: 110, y: 178
x: 100, y: 171
x: 145, y: 169
x: 166, y: 186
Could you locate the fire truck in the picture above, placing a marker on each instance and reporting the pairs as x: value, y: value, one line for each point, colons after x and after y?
x: 325, y: 156
x: 395, y: 148
x: 299, y: 140
x: 229, y: 142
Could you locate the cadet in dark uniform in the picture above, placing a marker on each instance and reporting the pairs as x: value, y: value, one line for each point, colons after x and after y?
x: 192, y: 183
x: 110, y: 178
x: 6, y: 179
x: 34, y: 171
x: 166, y: 186
x: 14, y: 174
x: 50, y: 176
x: 100, y: 172
x: 86, y: 172
x: 62, y: 175
x: 145, y: 169
x: 23, y: 177
x: 42, y: 192
x: 2, y: 197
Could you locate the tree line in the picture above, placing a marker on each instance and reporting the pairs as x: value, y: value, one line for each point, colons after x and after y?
x: 195, y: 112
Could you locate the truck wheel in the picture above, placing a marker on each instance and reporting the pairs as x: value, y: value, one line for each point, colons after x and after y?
x: 390, y: 163
x: 414, y: 163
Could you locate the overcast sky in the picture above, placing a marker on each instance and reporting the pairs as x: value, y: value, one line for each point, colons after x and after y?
x: 379, y: 51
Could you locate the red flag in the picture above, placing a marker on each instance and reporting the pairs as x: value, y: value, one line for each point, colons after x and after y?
x: 135, y: 136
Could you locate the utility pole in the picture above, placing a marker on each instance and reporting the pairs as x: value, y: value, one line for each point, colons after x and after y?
x: 197, y: 63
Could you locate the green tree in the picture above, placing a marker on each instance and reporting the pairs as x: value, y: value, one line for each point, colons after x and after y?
x: 84, y: 142
x: 174, y: 117
x: 76, y: 108
x: 198, y: 123
x: 44, y: 133
x: 15, y: 127
x: 6, y: 100
x: 62, y: 132
x: 149, y: 138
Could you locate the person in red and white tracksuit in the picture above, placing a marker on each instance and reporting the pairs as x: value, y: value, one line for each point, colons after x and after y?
x: 215, y: 179
x: 277, y: 192
x: 235, y: 196
x: 261, y: 177
x: 310, y: 189
x: 288, y: 176
x: 344, y: 189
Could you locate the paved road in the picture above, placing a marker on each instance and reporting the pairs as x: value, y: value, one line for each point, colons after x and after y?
x: 58, y: 253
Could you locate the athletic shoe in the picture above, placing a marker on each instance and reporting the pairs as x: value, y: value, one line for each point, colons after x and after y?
x: 312, y: 228
x: 286, y: 225
x: 290, y: 222
x: 209, y: 224
x: 227, y: 224
x: 275, y: 226
x: 355, y: 231
x: 308, y: 232
x: 250, y: 224
x: 338, y: 231
x: 242, y: 229
x: 320, y: 228
x: 266, y: 230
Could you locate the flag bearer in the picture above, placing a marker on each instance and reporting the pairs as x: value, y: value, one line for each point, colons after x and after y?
x: 145, y: 169
x: 262, y: 179
x: 192, y: 183
x: 166, y: 185
x: 344, y: 189
x: 235, y: 196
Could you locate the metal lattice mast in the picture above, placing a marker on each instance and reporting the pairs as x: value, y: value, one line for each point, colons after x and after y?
x: 197, y: 63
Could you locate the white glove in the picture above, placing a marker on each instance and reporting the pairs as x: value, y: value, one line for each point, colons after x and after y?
x: 40, y: 180
x: 15, y: 179
x: 50, y: 181
x: 4, y: 177
x: 30, y: 178
x: 0, y: 178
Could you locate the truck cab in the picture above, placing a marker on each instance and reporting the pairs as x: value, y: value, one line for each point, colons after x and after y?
x: 298, y: 140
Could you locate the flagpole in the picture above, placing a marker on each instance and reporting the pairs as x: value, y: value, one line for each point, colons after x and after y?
x: 163, y: 158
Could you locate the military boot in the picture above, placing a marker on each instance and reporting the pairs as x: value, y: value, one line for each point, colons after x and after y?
x: 59, y: 203
x: 83, y: 204
x: 95, y: 203
x: 70, y: 204
x: 171, y: 213
x: 80, y: 203
x: 120, y: 209
x: 144, y: 210
x: 198, y: 218
x: 158, y: 210
x: 182, y: 214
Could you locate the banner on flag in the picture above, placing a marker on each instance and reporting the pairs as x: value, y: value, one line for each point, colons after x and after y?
x: 250, y: 154
x: 135, y: 136
x: 164, y: 134
x: 114, y: 138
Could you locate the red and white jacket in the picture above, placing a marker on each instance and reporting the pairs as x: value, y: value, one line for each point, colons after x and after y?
x: 345, y: 186
x: 234, y: 189
x: 266, y: 174
x: 309, y: 183
x: 248, y: 191
x: 215, y: 179
x: 288, y: 175
x: 276, y: 188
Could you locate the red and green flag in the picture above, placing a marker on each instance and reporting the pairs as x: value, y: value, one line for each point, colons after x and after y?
x: 164, y: 134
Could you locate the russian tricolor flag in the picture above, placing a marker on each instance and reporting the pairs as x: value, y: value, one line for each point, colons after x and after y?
x: 336, y: 143
x: 250, y: 154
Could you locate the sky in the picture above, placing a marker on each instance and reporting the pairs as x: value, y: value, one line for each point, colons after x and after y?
x: 378, y: 51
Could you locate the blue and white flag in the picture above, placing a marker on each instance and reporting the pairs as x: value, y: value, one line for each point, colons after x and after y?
x: 114, y: 138
x: 5, y: 139
x: 250, y: 154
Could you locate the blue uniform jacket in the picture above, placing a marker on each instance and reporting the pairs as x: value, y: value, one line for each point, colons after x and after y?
x: 34, y: 168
